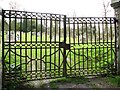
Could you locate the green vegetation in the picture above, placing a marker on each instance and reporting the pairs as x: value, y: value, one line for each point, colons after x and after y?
x: 114, y: 80
x: 54, y: 82
x: 32, y: 57
x: 99, y: 59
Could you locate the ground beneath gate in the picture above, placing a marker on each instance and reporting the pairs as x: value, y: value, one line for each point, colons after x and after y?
x: 93, y: 83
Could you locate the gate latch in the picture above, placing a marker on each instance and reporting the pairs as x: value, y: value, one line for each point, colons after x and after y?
x: 64, y: 45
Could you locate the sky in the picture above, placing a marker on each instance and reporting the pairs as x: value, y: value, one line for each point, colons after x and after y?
x: 78, y: 8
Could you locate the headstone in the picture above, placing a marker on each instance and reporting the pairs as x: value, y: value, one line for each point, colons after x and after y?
x: 33, y: 33
x: 17, y: 37
x: 11, y: 36
x: 38, y: 34
x: 53, y: 38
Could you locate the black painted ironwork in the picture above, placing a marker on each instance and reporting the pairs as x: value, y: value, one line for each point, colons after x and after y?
x: 42, y: 46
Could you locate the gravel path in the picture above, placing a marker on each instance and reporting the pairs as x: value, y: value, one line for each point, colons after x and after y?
x: 91, y: 84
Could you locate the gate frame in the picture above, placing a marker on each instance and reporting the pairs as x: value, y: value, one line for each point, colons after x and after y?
x: 64, y: 49
x: 3, y: 63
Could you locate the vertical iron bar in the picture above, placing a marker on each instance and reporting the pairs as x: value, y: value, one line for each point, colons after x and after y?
x: 26, y: 44
x: 99, y: 44
x: 79, y: 60
x: 15, y: 48
x: 59, y: 41
x: 36, y: 48
x: 69, y: 43
x: 41, y: 49
x: 74, y: 45
x: 64, y: 51
x: 31, y: 48
x: 91, y: 32
x: 107, y: 42
x: 103, y: 38
x: 46, y: 47
x: 111, y: 45
x: 21, y: 43
x: 78, y: 44
x: 78, y: 31
x: 83, y: 45
x: 95, y: 47
x: 87, y: 45
x: 112, y: 62
x: 55, y: 48
x: 9, y: 44
x: 50, y: 42
x: 3, y: 59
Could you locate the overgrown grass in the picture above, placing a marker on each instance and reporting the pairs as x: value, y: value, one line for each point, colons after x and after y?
x: 54, y: 84
x: 114, y: 80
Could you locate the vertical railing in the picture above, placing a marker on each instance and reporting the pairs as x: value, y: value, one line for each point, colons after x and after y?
x: 51, y: 24
x: 21, y: 43
x: 10, y: 40
x: 55, y: 47
x: 41, y: 48
x: 83, y: 63
x: 3, y: 61
x: 26, y: 21
x: 64, y: 50
x: 46, y: 46
x: 31, y: 49
x: 15, y: 48
x: 59, y: 41
x: 36, y: 56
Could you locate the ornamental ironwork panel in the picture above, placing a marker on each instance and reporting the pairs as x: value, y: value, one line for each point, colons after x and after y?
x: 93, y: 46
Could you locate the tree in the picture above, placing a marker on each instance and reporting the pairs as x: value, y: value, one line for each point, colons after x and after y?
x: 5, y: 28
x: 106, y: 27
x: 86, y: 31
x: 13, y: 5
x: 40, y: 28
x: 105, y: 8
x: 26, y: 25
x: 13, y: 25
x: 33, y: 26
x: 5, y: 25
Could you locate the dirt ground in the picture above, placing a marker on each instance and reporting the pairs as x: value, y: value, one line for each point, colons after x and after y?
x: 92, y: 83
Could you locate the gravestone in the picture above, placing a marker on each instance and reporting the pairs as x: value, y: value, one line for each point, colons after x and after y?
x: 53, y: 37
x: 38, y: 34
x: 17, y: 37
x: 11, y: 36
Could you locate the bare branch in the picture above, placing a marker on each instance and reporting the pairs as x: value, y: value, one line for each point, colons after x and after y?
x: 13, y: 5
x: 105, y: 7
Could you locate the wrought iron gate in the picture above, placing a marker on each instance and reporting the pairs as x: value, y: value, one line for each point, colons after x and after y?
x: 41, y: 45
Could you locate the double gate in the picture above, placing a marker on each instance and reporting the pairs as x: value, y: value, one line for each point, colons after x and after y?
x: 38, y: 46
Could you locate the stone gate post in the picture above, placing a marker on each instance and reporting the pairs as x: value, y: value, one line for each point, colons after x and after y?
x: 116, y: 5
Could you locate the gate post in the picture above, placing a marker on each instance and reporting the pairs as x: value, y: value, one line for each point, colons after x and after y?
x: 116, y: 5
x: 3, y: 62
x: 64, y: 50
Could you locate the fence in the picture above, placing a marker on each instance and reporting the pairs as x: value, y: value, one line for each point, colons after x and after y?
x: 42, y: 46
